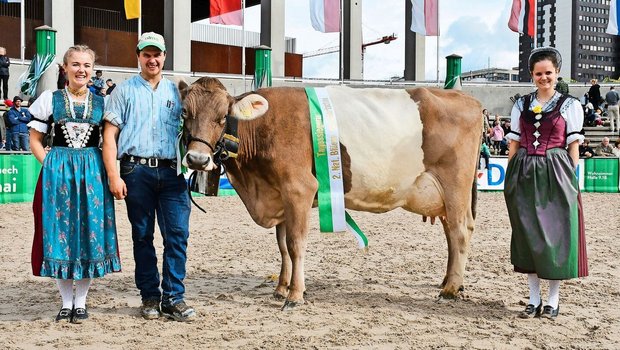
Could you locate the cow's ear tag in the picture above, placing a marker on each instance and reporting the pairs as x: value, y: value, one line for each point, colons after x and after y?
x: 250, y: 107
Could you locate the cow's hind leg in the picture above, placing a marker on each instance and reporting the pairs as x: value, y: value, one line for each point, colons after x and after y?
x: 281, y: 291
x: 458, y: 227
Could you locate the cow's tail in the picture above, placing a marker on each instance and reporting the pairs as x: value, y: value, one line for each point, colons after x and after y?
x: 474, y: 197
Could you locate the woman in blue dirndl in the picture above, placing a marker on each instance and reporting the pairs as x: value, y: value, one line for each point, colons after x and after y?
x: 75, y: 230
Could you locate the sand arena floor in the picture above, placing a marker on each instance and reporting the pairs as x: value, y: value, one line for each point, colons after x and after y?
x: 383, y: 299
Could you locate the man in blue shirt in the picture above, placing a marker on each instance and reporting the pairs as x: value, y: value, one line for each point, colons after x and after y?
x: 18, y: 118
x: 143, y: 118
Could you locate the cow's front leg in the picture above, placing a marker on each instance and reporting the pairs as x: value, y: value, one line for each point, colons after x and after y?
x: 458, y: 233
x: 297, y: 198
x: 281, y: 291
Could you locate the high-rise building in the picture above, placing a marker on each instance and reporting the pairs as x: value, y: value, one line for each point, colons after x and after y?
x: 577, y: 29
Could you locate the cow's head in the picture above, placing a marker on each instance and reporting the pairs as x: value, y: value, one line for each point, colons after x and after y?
x: 207, y: 109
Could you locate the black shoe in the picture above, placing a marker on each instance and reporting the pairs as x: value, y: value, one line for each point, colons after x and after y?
x: 179, y: 312
x: 79, y: 315
x: 64, y: 315
x: 150, y: 309
x: 531, y: 311
x: 549, y: 312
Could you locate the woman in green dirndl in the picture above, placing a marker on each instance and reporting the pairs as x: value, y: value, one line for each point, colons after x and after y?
x: 541, y: 188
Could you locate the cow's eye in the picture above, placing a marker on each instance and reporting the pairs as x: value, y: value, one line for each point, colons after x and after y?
x: 184, y: 113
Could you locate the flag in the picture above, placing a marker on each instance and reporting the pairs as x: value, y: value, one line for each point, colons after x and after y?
x: 132, y: 9
x: 325, y: 15
x: 522, y: 18
x: 614, y: 16
x: 425, y: 17
x: 225, y: 12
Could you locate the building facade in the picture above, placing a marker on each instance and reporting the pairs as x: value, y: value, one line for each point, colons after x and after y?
x: 577, y: 29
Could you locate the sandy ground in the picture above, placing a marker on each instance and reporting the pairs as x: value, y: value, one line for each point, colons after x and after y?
x: 383, y: 299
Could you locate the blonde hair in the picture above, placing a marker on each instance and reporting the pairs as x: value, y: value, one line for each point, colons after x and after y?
x: 2, y: 50
x: 78, y: 48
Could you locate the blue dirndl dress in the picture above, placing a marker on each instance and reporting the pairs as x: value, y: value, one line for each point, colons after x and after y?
x: 79, y: 230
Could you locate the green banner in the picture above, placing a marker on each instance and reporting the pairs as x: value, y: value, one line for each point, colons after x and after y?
x: 18, y: 177
x: 601, y: 175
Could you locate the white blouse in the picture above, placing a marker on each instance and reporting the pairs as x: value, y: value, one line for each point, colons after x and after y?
x: 571, y: 111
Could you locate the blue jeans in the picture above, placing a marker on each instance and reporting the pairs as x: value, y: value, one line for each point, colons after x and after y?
x: 160, y: 191
x: 21, y: 141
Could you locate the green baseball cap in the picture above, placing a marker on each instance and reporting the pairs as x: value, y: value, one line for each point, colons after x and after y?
x: 151, y: 39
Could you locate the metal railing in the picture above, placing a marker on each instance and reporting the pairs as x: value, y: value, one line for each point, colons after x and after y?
x: 105, y: 19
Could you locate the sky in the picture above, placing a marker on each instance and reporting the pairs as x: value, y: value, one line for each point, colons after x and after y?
x: 477, y: 30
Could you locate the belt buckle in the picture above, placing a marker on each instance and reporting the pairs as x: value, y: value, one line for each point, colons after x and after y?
x: 153, y: 162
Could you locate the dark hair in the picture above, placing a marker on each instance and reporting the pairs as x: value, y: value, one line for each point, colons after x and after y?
x: 99, y: 71
x: 545, y: 53
x: 108, y: 80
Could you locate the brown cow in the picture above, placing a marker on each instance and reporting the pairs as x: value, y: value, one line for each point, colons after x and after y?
x: 416, y: 149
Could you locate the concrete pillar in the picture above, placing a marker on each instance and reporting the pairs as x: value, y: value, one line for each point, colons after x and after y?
x: 415, y: 50
x: 178, y: 35
x: 55, y: 16
x: 352, y: 45
x: 272, y: 33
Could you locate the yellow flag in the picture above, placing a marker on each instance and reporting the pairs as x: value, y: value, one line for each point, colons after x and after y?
x: 132, y: 9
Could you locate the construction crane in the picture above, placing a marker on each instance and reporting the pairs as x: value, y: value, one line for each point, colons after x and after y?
x: 324, y: 51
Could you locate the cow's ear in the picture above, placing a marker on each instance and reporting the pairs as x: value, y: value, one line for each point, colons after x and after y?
x: 183, y: 88
x: 250, y: 107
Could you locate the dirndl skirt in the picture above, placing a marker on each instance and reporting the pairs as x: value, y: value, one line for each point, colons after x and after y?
x: 544, y: 207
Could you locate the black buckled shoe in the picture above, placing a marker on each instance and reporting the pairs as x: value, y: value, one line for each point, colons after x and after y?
x: 79, y: 315
x: 531, y: 311
x: 549, y: 312
x: 64, y: 315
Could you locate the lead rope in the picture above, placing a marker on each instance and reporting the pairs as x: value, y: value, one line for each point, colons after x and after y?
x: 190, y: 185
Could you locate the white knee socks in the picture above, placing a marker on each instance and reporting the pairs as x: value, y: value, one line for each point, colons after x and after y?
x: 65, y: 287
x: 554, y: 294
x: 554, y: 291
x: 534, y: 283
x: 81, y: 291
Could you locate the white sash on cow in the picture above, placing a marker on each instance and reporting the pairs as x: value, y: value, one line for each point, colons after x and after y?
x: 326, y: 144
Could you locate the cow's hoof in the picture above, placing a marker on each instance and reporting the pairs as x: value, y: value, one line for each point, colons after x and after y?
x: 278, y: 296
x: 290, y: 305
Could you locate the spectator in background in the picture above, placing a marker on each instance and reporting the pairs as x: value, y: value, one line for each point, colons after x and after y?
x: 4, y: 73
x: 2, y: 131
x: 62, y: 77
x: 19, y: 118
x: 604, y: 149
x: 616, y: 149
x: 8, y: 141
x: 484, y: 153
x: 591, y: 118
x: 613, y: 111
x: 110, y: 86
x: 585, y: 151
x: 497, y: 136
x: 99, y: 83
x: 561, y: 86
x: 594, y: 94
x: 486, y: 126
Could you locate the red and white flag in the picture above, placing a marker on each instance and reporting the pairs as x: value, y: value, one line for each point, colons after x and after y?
x: 325, y: 15
x: 225, y: 12
x: 522, y: 18
x: 425, y: 17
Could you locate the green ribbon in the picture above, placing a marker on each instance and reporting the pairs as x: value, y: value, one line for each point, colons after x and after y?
x: 328, y: 166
